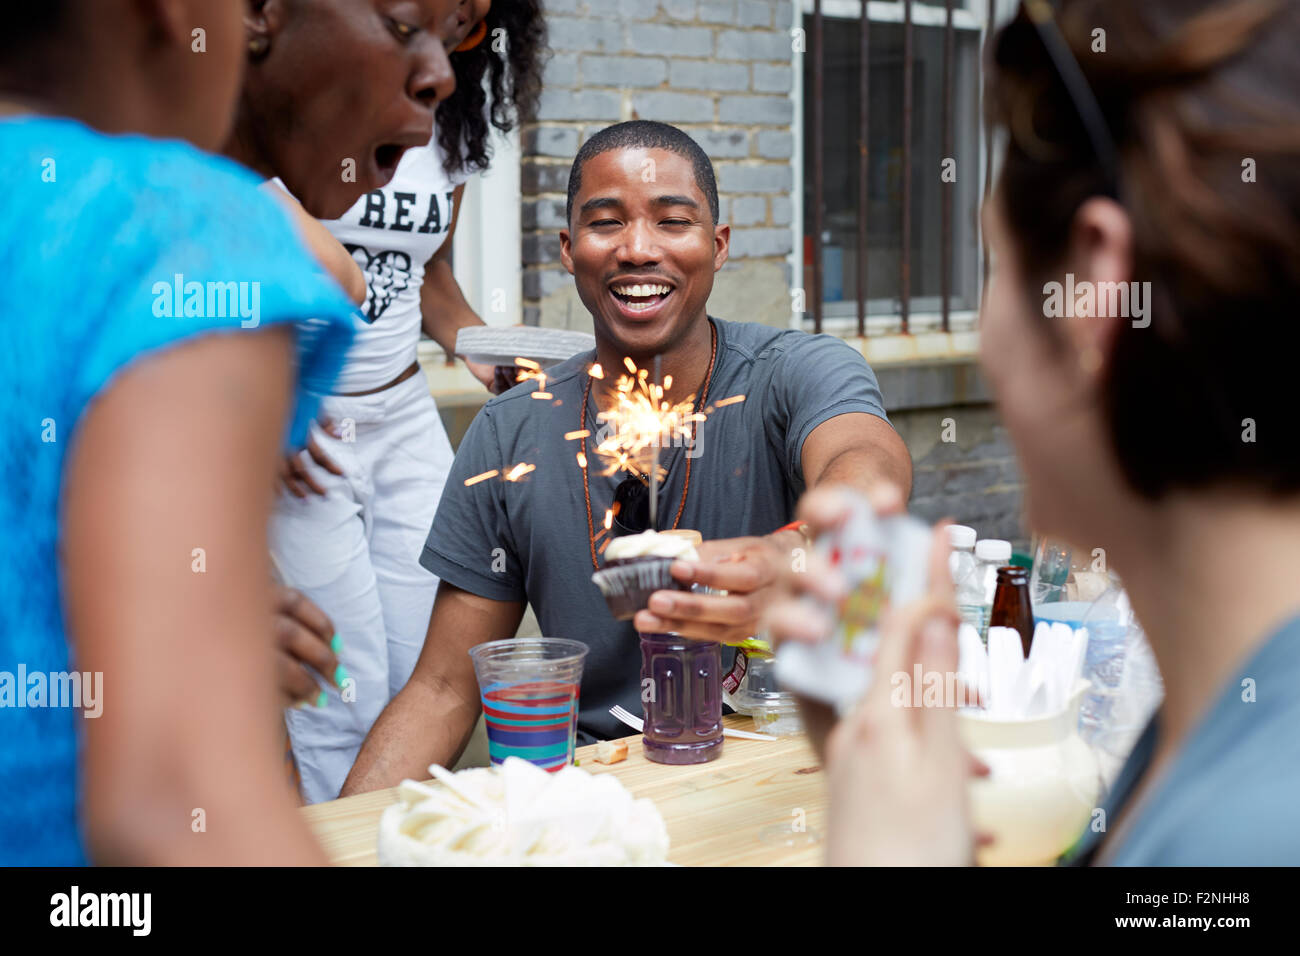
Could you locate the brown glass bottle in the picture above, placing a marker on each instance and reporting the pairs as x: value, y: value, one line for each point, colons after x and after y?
x: 1011, y: 604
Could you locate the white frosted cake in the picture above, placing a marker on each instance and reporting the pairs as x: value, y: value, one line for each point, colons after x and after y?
x: 654, y: 544
x: 520, y: 815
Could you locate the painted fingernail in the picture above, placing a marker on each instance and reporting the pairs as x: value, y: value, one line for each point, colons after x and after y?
x: 340, y: 675
x: 323, y: 699
x: 336, y: 643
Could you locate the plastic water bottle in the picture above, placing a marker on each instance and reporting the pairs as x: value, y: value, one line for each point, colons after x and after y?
x: 975, y: 597
x: 964, y: 568
x: 1141, y: 690
x: 1108, y: 621
x: 962, y: 557
x: 1126, y: 683
x: 1047, y: 582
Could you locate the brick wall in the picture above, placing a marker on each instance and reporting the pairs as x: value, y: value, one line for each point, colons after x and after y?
x: 721, y: 70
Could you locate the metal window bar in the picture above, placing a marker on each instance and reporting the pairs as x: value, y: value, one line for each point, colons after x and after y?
x: 988, y: 147
x: 818, y: 165
x: 864, y: 157
x: 819, y: 158
x: 905, y: 253
x: 945, y: 240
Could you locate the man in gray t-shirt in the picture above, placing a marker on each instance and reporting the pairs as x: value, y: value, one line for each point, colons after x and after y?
x: 643, y: 251
x: 527, y: 540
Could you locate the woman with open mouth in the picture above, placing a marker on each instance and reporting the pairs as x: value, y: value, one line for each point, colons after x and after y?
x: 337, y: 90
x: 350, y: 523
x: 334, y: 94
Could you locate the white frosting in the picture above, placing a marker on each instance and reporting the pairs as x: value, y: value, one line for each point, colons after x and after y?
x: 651, y: 544
x: 519, y: 815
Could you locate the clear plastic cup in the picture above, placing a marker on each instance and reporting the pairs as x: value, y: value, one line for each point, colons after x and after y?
x: 773, y: 710
x: 529, y: 690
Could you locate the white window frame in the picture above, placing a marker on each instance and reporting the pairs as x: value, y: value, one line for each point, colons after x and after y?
x: 968, y: 16
x: 487, y: 231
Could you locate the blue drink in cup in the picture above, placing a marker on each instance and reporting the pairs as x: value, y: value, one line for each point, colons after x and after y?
x: 529, y: 690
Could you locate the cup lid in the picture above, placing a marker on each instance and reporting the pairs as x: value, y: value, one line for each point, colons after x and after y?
x: 993, y: 549
x: 961, y: 536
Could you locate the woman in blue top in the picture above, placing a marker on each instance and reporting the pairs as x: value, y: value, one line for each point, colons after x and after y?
x: 138, y: 699
x: 1164, y: 433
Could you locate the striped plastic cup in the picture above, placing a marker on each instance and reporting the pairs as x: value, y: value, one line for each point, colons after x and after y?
x: 529, y: 690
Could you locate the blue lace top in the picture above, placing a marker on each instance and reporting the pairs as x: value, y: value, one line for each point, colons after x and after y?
x: 114, y: 247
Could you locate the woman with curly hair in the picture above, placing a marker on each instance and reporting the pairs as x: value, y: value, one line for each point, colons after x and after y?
x: 351, y: 521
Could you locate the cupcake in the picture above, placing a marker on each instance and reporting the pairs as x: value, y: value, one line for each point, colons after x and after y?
x: 636, y: 565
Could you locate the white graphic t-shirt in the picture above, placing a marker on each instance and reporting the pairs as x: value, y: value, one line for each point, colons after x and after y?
x: 392, y: 233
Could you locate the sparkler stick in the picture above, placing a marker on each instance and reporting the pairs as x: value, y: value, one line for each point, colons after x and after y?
x: 654, y: 460
x: 636, y: 424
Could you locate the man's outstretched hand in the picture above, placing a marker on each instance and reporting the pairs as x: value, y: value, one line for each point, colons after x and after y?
x: 756, y: 573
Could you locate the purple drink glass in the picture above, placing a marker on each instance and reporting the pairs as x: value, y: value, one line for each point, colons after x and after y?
x: 681, y: 697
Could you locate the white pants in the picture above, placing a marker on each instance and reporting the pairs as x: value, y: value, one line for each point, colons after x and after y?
x: 356, y: 554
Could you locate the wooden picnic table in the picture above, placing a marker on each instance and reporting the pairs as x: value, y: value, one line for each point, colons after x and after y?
x: 762, y: 803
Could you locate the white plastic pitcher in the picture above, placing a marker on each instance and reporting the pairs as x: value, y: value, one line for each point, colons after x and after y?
x: 1042, y: 786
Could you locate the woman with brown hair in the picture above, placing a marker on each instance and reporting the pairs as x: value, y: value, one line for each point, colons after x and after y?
x: 1166, y: 436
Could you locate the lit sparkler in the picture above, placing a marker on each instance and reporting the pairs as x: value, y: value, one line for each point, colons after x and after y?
x: 639, y: 423
x: 511, y: 474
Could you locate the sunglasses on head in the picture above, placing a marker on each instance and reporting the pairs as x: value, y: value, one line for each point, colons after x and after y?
x: 1043, y: 17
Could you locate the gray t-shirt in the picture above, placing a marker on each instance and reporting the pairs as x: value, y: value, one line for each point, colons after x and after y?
x: 527, y: 540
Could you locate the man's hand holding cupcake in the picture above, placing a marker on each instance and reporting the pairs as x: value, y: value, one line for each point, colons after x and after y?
x: 748, y: 569
x: 755, y: 573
